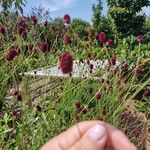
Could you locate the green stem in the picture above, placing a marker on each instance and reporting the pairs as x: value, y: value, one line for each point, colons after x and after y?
x: 139, y: 51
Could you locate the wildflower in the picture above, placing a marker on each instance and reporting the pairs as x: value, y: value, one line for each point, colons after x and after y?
x: 15, y: 92
x: 39, y: 109
x: 19, y: 97
x: 10, y: 55
x: 138, y: 71
x: 109, y: 42
x: 91, y: 66
x: 46, y: 23
x: 124, y: 65
x: 137, y: 133
x: 22, y: 23
x: 67, y: 19
x: 84, y: 110
x: 43, y: 47
x: 66, y: 62
x: 146, y: 93
x: 98, y: 95
x: 16, y: 113
x: 102, y: 37
x: 78, y: 105
x: 113, y: 60
x: 22, y: 32
x: 34, y: 20
x: 140, y: 38
x: 67, y: 40
x: 2, y: 30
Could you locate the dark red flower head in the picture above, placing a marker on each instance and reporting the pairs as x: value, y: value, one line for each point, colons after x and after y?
x: 98, y: 95
x: 46, y: 23
x: 67, y: 39
x: 146, y: 93
x: 19, y: 97
x: 67, y: 19
x: 138, y: 71
x: 22, y: 23
x: 34, y: 20
x: 22, y: 32
x: 78, y: 105
x: 16, y: 113
x: 66, y: 62
x: 43, y: 47
x: 10, y: 55
x: 113, y: 60
x: 15, y: 92
x: 2, y: 30
x: 109, y: 42
x: 140, y: 38
x: 91, y: 66
x: 85, y: 110
x: 124, y: 65
x: 102, y: 37
x: 39, y: 109
x: 137, y: 133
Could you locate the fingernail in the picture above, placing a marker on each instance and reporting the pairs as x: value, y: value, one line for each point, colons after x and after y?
x: 97, y: 132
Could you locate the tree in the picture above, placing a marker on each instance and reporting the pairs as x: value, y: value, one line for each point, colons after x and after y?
x: 127, y: 15
x: 97, y: 14
x: 17, y: 4
x: 80, y: 27
x: 102, y: 22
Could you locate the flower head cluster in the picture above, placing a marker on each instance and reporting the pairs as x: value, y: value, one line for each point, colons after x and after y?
x: 11, y: 54
x: 2, y: 30
x: 22, y: 29
x: 67, y: 40
x: 67, y: 19
x: 113, y: 60
x: 103, y: 39
x: 34, y: 20
x: 43, y: 47
x: 66, y: 62
x: 140, y: 38
x: 17, y: 94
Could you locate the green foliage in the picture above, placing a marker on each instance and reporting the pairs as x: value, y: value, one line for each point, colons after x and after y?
x: 97, y: 14
x: 80, y: 27
x: 102, y: 23
x: 126, y: 15
x: 17, y: 4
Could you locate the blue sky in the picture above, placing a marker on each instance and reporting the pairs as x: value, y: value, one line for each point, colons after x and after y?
x: 76, y: 8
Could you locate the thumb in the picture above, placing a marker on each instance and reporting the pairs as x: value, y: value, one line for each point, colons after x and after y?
x: 94, y: 139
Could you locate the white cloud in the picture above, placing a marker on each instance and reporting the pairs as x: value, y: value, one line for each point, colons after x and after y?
x: 55, y: 5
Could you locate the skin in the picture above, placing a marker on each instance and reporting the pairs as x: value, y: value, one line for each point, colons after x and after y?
x: 76, y: 138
